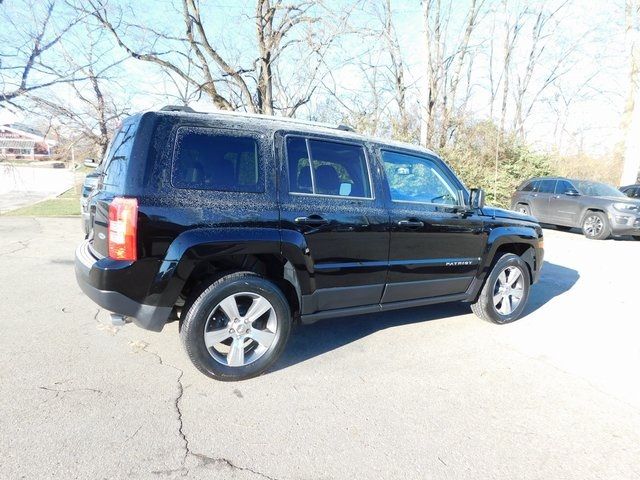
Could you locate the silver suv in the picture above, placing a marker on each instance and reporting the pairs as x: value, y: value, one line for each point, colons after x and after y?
x: 600, y: 210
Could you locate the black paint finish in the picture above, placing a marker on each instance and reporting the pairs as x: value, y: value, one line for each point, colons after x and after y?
x: 344, y: 255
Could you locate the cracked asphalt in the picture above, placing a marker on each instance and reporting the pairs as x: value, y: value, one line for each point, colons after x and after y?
x: 425, y: 393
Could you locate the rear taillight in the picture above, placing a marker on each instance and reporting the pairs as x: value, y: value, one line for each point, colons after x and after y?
x: 123, y: 221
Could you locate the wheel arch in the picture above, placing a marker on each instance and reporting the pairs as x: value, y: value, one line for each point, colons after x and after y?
x: 201, y: 255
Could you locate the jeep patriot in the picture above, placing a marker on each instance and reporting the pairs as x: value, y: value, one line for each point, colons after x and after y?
x: 238, y: 225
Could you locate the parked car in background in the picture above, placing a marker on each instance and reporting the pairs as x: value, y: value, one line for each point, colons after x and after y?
x: 89, y: 185
x: 600, y: 210
x: 632, y: 191
x: 240, y: 225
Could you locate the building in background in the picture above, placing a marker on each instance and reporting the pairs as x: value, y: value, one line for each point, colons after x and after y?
x: 22, y: 142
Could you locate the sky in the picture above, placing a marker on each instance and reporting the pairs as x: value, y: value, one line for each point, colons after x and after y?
x: 595, y: 83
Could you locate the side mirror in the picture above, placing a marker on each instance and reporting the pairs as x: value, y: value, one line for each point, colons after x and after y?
x: 572, y: 193
x: 476, y: 198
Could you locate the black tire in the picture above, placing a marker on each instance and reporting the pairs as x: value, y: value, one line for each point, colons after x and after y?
x: 207, y: 302
x: 596, y: 233
x: 524, y: 209
x: 485, y: 307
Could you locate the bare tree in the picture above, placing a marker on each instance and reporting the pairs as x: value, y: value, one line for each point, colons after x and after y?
x: 630, y: 124
x: 24, y: 49
x: 279, y: 27
x: 397, y: 67
x: 458, y: 57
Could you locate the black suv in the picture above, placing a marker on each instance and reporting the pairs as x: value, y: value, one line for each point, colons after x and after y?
x: 240, y: 225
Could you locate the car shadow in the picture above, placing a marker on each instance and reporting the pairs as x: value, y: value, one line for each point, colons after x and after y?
x: 308, y: 341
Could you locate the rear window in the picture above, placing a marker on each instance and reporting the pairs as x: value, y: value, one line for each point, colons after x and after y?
x: 207, y: 159
x: 116, y: 159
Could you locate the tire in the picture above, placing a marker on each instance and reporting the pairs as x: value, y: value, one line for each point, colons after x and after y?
x: 494, y: 311
x: 221, y: 314
x: 595, y: 226
x: 524, y: 209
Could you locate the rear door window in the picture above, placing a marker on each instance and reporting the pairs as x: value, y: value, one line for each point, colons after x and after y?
x: 208, y: 159
x: 547, y: 186
x: 321, y: 167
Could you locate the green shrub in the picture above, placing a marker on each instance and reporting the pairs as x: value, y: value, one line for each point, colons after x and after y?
x: 472, y: 154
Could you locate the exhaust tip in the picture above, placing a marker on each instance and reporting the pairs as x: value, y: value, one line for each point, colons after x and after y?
x: 118, y: 320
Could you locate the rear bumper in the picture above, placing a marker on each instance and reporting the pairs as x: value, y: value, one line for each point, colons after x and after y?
x: 89, y: 269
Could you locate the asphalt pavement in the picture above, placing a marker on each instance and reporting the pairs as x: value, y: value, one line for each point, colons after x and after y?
x: 425, y: 393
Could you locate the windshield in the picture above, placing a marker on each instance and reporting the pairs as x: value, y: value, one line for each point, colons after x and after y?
x: 596, y: 189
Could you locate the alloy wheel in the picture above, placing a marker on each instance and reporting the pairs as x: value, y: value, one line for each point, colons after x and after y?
x: 240, y: 329
x: 593, y: 226
x: 508, y: 290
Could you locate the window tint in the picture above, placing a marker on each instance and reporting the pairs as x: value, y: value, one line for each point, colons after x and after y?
x: 327, y: 168
x: 563, y: 187
x: 528, y: 187
x: 417, y: 179
x: 208, y: 160
x: 116, y: 159
x: 547, y: 186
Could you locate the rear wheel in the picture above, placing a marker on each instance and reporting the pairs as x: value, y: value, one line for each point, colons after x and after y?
x: 524, y: 209
x: 237, y: 327
x: 595, y: 226
x: 505, y: 291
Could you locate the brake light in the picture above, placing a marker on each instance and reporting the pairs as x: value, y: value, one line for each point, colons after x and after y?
x: 123, y: 228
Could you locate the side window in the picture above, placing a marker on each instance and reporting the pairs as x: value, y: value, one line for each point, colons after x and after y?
x: 327, y: 168
x: 116, y: 159
x: 528, y: 187
x: 417, y: 179
x: 563, y: 187
x: 547, y: 186
x: 635, y: 192
x: 206, y: 159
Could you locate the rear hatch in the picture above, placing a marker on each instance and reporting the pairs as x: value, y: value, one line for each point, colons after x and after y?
x: 112, y: 183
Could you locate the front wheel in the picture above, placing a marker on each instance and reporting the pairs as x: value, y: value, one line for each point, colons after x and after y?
x: 505, y: 291
x: 237, y: 327
x: 595, y: 226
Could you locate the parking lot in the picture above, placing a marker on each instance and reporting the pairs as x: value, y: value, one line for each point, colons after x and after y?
x: 425, y: 393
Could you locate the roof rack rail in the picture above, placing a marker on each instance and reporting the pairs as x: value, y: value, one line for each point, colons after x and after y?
x: 177, y: 108
x: 235, y: 113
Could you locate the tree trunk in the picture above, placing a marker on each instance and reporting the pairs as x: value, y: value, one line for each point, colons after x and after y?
x: 631, y: 116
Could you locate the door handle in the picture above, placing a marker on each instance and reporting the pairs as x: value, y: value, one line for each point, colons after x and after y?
x: 411, y: 223
x: 312, y: 220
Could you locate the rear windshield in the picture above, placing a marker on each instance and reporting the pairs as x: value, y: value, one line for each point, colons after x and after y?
x: 207, y: 159
x: 116, y: 159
